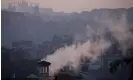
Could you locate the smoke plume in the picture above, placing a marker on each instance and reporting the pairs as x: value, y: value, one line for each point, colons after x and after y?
x: 120, y: 30
x: 72, y: 54
x: 93, y: 47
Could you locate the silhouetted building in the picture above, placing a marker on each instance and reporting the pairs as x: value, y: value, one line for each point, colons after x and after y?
x: 23, y: 6
x: 43, y: 69
x: 45, y: 10
x: 11, y: 7
x: 36, y: 9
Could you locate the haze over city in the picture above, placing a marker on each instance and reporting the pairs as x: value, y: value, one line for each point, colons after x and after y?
x: 67, y: 39
x: 76, y: 5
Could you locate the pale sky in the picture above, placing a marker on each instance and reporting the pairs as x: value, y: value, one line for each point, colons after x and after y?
x: 77, y: 5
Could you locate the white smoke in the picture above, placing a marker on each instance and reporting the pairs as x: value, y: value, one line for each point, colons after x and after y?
x: 120, y: 31
x: 72, y: 54
x: 92, y: 48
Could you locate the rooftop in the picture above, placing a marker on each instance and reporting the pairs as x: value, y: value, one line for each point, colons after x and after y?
x: 44, y: 63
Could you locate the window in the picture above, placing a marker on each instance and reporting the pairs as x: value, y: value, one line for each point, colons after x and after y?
x: 43, y: 70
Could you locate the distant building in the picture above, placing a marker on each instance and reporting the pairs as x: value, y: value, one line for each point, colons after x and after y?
x: 26, y: 46
x: 46, y: 10
x: 22, y: 44
x: 23, y: 6
x: 11, y: 7
x: 36, y: 9
x: 43, y: 70
x: 32, y: 8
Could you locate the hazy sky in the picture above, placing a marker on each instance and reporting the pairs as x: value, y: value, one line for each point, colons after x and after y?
x: 77, y: 5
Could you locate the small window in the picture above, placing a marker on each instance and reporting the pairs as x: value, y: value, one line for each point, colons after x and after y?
x: 43, y: 70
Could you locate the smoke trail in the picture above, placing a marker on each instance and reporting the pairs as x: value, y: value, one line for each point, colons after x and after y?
x: 92, y: 48
x: 120, y: 31
x: 72, y: 54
